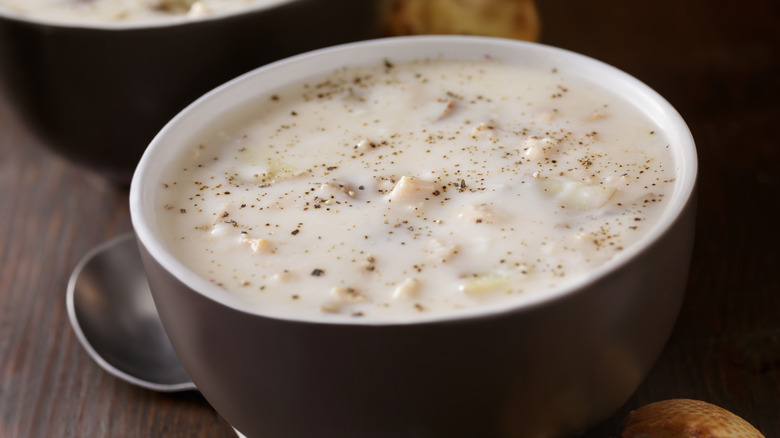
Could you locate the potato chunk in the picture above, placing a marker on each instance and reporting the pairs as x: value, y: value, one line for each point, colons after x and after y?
x: 481, y: 284
x: 257, y: 245
x: 577, y: 195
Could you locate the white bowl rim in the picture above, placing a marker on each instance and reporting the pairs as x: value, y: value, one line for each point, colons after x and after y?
x: 174, y: 20
x: 683, y: 194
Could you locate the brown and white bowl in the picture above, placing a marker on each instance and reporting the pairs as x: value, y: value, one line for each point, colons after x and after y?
x: 550, y: 365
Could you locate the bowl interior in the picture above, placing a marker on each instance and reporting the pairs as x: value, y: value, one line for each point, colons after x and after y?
x: 223, y: 101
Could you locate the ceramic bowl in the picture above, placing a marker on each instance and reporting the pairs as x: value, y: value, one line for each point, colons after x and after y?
x: 552, y: 365
x: 99, y: 92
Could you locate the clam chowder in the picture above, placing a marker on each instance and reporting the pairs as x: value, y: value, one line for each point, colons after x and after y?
x: 415, y: 188
x: 89, y: 11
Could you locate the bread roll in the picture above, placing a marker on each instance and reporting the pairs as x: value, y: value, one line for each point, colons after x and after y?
x: 684, y: 418
x: 500, y: 18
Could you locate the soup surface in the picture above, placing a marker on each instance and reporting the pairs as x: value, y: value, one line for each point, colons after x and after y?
x: 79, y: 11
x: 400, y: 189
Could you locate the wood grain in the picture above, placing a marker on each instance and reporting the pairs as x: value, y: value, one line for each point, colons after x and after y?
x: 718, y: 62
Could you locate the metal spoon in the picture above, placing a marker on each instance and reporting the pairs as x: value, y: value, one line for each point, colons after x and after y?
x: 112, y: 312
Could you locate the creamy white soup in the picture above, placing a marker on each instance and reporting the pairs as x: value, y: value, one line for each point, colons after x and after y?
x: 122, y: 10
x: 419, y: 188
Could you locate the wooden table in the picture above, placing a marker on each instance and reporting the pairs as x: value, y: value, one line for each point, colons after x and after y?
x: 717, y: 61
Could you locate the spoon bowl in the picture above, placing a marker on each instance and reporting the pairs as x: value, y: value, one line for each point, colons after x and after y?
x: 115, y: 319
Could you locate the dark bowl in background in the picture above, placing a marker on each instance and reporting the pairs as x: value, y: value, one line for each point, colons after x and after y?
x: 98, y: 93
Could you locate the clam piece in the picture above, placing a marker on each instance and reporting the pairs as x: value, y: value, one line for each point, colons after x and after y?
x: 172, y: 6
x: 410, y: 189
x: 406, y: 289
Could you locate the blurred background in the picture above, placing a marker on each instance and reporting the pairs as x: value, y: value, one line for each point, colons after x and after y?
x: 716, y: 61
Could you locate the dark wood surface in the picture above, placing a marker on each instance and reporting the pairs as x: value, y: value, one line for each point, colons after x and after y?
x: 717, y: 61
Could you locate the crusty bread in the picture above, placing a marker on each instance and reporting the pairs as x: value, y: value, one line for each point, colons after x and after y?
x: 500, y: 18
x: 684, y: 418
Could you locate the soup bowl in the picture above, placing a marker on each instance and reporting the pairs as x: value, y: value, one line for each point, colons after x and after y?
x: 98, y: 91
x: 549, y: 364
